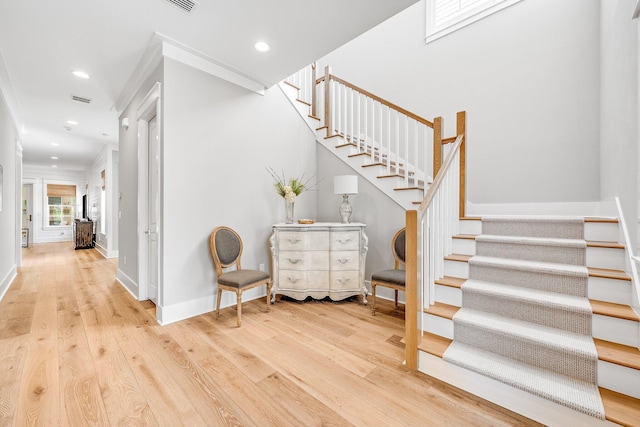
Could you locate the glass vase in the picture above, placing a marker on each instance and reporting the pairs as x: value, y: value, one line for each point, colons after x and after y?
x: 288, y: 208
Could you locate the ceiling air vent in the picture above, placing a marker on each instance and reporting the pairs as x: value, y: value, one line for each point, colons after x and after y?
x: 81, y: 99
x: 184, y: 5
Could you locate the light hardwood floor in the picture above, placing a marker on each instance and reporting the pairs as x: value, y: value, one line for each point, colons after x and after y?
x: 76, y: 349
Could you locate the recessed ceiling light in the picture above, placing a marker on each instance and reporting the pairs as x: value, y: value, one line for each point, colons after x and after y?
x: 105, y: 134
x: 54, y: 166
x: 54, y: 158
x: 72, y: 122
x: 80, y: 74
x: 261, y: 47
x: 55, y: 144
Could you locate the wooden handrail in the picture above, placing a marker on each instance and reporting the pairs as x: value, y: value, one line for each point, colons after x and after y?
x: 377, y: 98
x: 422, y: 209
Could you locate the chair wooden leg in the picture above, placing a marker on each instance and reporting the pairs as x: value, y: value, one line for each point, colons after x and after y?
x: 239, y: 307
x: 268, y: 296
x: 373, y: 299
x: 396, y: 298
x: 218, y: 302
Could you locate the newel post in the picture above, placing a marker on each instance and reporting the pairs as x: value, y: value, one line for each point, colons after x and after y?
x: 327, y: 100
x: 437, y: 145
x: 461, y: 129
x: 411, y: 290
x: 314, y: 95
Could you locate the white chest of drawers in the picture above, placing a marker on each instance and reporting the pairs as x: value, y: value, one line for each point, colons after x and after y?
x: 319, y: 260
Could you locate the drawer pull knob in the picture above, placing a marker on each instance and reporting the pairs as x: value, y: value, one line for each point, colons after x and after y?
x: 343, y: 260
x: 294, y: 260
x: 344, y: 240
x: 292, y: 279
x: 343, y: 280
x: 293, y: 240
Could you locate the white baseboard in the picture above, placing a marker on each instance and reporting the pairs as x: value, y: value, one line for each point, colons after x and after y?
x: 528, y: 405
x: 7, y: 280
x: 602, y: 208
x: 195, y: 307
x: 128, y: 283
x: 106, y: 252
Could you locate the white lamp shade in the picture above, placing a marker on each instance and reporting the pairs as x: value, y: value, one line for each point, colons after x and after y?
x: 345, y: 184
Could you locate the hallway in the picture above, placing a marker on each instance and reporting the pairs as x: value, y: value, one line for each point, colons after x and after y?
x: 77, y: 349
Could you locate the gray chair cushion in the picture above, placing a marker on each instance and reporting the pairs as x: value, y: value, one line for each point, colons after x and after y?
x: 242, y: 278
x: 391, y: 276
x: 227, y: 246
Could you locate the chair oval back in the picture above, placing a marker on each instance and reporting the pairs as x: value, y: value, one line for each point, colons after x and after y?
x: 398, y: 245
x: 226, y: 248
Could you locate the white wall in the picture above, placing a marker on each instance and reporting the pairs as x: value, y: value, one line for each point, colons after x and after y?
x: 382, y: 216
x: 619, y: 107
x: 218, y: 139
x: 527, y: 78
x: 106, y: 159
x: 8, y: 224
x: 40, y: 176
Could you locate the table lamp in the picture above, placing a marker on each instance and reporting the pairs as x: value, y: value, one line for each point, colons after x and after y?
x: 345, y: 185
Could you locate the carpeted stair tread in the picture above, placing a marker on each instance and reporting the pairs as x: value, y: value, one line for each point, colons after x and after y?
x: 536, y: 241
x: 575, y: 394
x: 567, y: 312
x: 516, y: 264
x: 543, y: 335
x: 534, y: 226
x: 541, y: 249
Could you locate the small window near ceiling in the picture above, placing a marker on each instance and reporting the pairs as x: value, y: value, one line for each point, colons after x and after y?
x: 446, y: 16
x: 61, y: 205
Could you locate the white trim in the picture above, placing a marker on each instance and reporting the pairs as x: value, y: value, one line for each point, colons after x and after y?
x: 526, y: 404
x: 601, y: 209
x: 436, y: 34
x: 127, y: 282
x: 7, y: 280
x: 149, y: 107
x: 161, y: 47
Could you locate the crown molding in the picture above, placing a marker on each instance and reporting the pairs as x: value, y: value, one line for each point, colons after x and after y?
x: 7, y: 92
x: 161, y: 47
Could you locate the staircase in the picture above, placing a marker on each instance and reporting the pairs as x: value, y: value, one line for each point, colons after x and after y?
x: 580, y: 294
x: 493, y: 265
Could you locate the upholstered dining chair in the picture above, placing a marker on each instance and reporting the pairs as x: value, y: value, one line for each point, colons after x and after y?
x: 393, y: 278
x: 226, y: 250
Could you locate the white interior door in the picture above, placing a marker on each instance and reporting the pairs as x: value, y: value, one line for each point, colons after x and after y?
x: 154, y: 209
x: 27, y: 210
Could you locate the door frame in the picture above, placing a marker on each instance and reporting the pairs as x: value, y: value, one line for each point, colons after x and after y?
x: 149, y: 107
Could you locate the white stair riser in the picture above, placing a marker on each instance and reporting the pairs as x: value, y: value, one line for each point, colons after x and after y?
x: 449, y: 295
x: 470, y: 227
x: 456, y: 269
x: 615, y: 330
x: 464, y: 246
x: 610, y: 258
x: 438, y: 325
x: 601, y: 231
x: 609, y: 290
x: 619, y: 378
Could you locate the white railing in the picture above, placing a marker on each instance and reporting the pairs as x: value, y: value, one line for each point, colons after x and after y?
x: 438, y: 222
x: 304, y: 80
x: 386, y: 134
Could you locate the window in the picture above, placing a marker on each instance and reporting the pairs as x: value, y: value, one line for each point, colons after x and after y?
x: 61, y: 205
x: 446, y: 16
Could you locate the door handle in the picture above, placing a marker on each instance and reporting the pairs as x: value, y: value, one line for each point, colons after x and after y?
x: 147, y: 232
x: 29, y: 217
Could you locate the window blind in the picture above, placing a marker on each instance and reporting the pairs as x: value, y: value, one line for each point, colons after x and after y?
x: 59, y: 190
